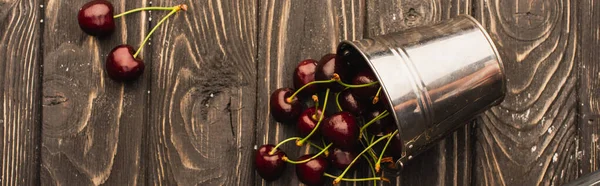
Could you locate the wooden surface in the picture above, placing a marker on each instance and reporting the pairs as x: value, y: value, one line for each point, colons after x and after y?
x: 201, y: 107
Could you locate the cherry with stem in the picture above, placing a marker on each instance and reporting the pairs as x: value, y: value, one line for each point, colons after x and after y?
x: 301, y: 142
x: 339, y: 178
x: 335, y: 78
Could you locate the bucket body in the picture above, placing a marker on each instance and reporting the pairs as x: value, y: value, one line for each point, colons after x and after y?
x: 434, y: 78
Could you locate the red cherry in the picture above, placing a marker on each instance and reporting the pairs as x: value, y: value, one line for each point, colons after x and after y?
x: 350, y: 103
x: 304, y: 74
x: 341, y: 130
x: 312, y: 172
x: 307, y: 122
x: 96, y: 18
x: 269, y: 167
x: 378, y: 127
x: 341, y: 159
x: 122, y: 66
x: 365, y: 93
x: 281, y: 110
x: 326, y: 67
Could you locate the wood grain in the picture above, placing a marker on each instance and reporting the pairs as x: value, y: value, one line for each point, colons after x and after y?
x: 202, y: 95
x: 92, y: 126
x: 531, y: 138
x: 291, y: 31
x: 589, y: 86
x: 19, y: 92
x: 450, y: 161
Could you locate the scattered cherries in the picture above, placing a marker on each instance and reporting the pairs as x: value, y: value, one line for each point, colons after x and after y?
x: 359, y: 124
x: 96, y: 19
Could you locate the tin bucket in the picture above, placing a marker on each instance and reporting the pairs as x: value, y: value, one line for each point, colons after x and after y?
x: 435, y: 78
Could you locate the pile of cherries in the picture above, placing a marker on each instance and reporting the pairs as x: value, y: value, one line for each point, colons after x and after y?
x: 96, y: 18
x: 358, y: 128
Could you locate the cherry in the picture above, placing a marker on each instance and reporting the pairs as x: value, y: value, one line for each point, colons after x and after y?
x: 269, y: 167
x: 341, y: 159
x: 378, y: 127
x: 96, y: 18
x: 341, y: 130
x: 303, y: 74
x: 308, y: 120
x: 122, y: 66
x: 328, y: 66
x: 395, y: 146
x: 282, y: 110
x: 350, y: 103
x: 365, y: 93
x: 311, y: 172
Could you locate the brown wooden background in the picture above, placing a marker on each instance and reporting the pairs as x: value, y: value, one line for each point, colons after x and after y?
x: 201, y: 106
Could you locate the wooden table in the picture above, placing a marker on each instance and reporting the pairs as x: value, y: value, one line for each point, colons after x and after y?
x: 200, y: 108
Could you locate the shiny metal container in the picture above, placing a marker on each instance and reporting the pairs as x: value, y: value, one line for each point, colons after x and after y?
x: 436, y: 78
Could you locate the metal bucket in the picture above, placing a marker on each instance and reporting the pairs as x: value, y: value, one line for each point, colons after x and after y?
x: 435, y: 78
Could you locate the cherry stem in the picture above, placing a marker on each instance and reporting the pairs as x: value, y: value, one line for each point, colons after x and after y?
x: 291, y: 98
x: 380, y: 116
x: 376, y: 98
x: 306, y: 160
x: 372, y: 168
x: 174, y: 10
x: 300, y: 142
x: 316, y: 100
x: 142, y: 9
x: 339, y: 178
x: 357, y: 179
x: 320, y: 148
x: 378, y: 163
x: 336, y: 77
x: 337, y: 99
x: 281, y: 143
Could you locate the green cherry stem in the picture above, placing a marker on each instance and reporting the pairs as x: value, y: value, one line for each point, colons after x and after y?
x: 281, y: 143
x: 339, y: 178
x: 378, y: 163
x: 301, y: 142
x: 337, y: 99
x: 316, y: 100
x: 144, y: 8
x: 376, y: 98
x: 380, y: 116
x: 337, y: 78
x: 285, y: 158
x: 174, y: 10
x: 358, y: 179
x: 371, y: 166
x: 291, y: 98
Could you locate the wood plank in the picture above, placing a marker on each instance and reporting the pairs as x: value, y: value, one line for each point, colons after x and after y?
x: 202, y: 96
x: 589, y: 86
x: 531, y: 138
x: 19, y: 91
x: 291, y: 31
x: 450, y: 161
x: 92, y: 125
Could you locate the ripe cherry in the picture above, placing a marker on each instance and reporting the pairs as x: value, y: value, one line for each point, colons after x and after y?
x: 328, y: 66
x: 269, y: 167
x: 312, y: 172
x: 341, y: 159
x: 96, y: 18
x: 341, y: 129
x: 122, y: 66
x: 350, y: 103
x: 307, y: 122
x: 303, y: 74
x: 365, y: 93
x: 282, y: 110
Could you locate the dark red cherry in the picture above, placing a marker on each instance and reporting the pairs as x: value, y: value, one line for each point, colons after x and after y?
x: 350, y: 103
x: 395, y: 147
x: 326, y: 67
x: 307, y: 122
x: 122, y: 66
x: 96, y: 18
x: 365, y: 93
x: 341, y: 129
x: 281, y: 110
x: 311, y: 172
x: 378, y: 127
x: 269, y: 167
x: 304, y: 74
x: 341, y: 159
